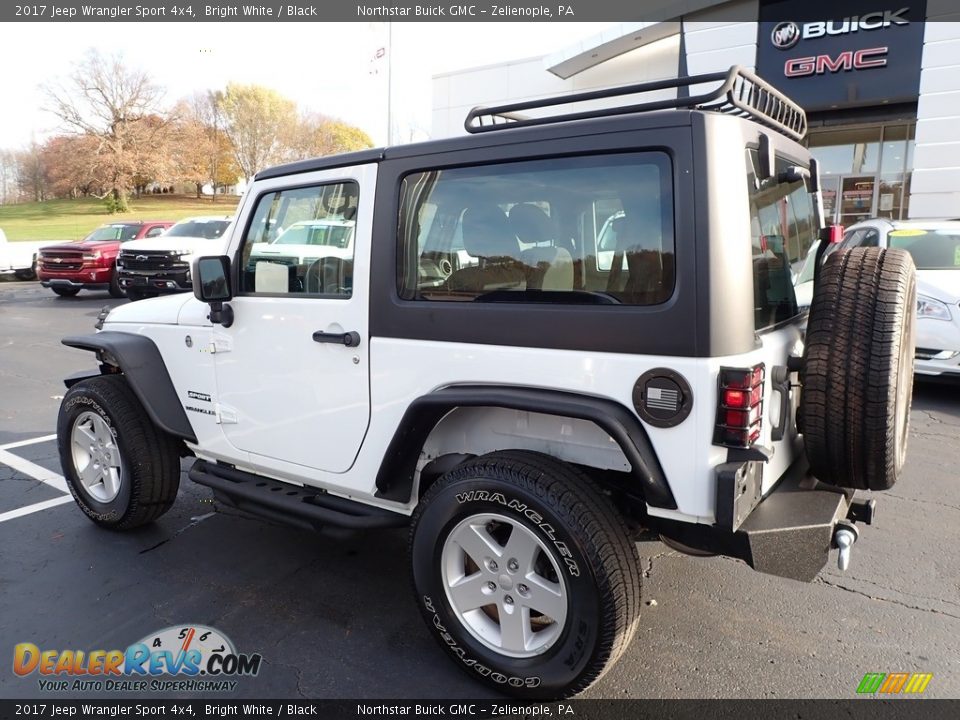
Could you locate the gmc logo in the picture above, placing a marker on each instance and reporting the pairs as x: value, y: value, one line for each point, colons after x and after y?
x: 846, y: 61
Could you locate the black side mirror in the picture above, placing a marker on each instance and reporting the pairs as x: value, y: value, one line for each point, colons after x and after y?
x: 211, y: 284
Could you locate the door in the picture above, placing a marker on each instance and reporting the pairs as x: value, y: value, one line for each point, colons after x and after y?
x: 856, y: 198
x: 291, y: 390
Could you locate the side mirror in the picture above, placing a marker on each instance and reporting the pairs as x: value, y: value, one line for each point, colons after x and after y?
x: 211, y: 284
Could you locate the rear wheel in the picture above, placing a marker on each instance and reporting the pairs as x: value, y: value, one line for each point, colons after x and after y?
x: 133, y: 294
x: 121, y: 469
x: 65, y: 291
x: 857, y: 371
x: 525, y: 573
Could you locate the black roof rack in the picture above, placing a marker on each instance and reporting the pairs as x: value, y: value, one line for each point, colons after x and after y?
x: 741, y: 93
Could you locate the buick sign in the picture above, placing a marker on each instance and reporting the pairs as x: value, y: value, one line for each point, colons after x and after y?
x: 785, y: 35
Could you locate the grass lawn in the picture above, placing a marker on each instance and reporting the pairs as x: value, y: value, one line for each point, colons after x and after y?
x: 73, y: 219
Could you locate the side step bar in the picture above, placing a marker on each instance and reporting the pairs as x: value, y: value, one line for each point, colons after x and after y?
x: 301, y: 506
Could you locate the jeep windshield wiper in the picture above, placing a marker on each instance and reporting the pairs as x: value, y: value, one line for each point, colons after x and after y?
x: 563, y: 297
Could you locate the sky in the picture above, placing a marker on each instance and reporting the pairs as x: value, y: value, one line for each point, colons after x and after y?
x: 323, y: 67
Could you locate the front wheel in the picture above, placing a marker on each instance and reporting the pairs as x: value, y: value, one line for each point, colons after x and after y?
x: 121, y: 469
x: 525, y: 573
x: 115, y: 290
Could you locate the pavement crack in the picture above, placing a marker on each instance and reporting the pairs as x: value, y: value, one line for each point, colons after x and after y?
x: 920, y: 500
x: 193, y: 522
x: 848, y: 589
x: 903, y: 592
x: 296, y: 670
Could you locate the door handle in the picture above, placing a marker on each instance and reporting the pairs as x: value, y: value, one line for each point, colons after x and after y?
x: 347, y: 339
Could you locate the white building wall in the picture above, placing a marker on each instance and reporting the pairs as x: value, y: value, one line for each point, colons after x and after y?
x: 935, y: 184
x: 714, y: 43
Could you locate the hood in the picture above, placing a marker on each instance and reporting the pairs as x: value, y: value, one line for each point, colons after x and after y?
x: 184, y: 244
x: 103, y: 246
x: 163, y: 310
x: 942, y: 285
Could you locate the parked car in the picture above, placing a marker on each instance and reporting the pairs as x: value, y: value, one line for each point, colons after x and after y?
x: 314, y: 245
x: 151, y: 267
x: 19, y: 258
x: 935, y: 248
x: 526, y: 413
x: 90, y: 264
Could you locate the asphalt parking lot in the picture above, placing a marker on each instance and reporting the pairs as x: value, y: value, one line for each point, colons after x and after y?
x: 332, y: 613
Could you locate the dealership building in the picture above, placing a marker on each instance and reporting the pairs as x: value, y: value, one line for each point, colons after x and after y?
x: 880, y: 85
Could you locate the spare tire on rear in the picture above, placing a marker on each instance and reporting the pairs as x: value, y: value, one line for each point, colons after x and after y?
x: 857, y: 372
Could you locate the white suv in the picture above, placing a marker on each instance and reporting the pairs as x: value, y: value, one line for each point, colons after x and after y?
x: 465, y: 367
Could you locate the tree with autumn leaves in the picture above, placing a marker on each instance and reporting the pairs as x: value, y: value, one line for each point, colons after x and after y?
x: 120, y: 138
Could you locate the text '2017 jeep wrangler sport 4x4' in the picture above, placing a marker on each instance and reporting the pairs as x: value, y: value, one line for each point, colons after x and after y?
x: 478, y: 365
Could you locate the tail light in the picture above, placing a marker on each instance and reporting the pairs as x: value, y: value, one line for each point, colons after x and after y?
x: 739, y: 406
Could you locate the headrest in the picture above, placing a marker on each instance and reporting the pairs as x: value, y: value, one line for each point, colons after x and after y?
x: 530, y: 223
x: 487, y: 234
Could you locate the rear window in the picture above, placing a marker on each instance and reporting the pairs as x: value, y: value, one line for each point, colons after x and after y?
x: 113, y: 232
x: 209, y: 229
x: 595, y: 229
x: 783, y: 227
x: 933, y: 249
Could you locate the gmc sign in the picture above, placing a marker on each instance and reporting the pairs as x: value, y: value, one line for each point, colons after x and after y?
x: 847, y: 60
x: 830, y: 55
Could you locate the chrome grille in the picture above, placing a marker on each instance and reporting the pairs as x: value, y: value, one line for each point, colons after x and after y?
x: 61, y: 260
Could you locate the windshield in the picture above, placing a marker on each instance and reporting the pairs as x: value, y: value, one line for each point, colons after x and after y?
x: 113, y: 232
x: 932, y: 249
x: 209, y: 229
x: 337, y: 236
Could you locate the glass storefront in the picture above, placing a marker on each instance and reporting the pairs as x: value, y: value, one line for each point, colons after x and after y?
x: 865, y: 170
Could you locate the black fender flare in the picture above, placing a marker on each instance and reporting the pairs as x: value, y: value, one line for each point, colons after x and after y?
x: 140, y: 361
x: 395, y: 477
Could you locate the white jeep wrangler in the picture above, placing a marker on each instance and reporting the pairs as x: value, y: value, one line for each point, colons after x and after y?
x: 476, y: 365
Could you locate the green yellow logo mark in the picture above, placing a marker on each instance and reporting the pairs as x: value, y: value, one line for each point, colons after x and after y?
x: 893, y: 683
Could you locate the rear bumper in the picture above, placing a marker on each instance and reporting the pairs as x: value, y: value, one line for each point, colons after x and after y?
x: 788, y: 533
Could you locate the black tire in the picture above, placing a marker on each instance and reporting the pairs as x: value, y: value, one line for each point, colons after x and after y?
x: 29, y: 274
x: 857, y: 370
x: 134, y: 294
x: 569, y: 516
x: 65, y: 291
x: 115, y: 290
x: 150, y: 473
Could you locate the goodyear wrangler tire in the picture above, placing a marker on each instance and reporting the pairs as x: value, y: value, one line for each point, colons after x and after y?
x: 525, y: 573
x: 857, y: 370
x: 121, y: 469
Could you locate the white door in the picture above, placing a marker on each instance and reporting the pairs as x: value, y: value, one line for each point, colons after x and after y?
x: 290, y: 389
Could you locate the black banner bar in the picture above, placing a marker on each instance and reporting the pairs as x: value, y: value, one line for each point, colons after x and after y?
x: 866, y: 708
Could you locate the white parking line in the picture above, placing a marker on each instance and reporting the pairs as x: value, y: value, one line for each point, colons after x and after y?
x: 36, y: 507
x: 37, y: 472
x: 33, y: 441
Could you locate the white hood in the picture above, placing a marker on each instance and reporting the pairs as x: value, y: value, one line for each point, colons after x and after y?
x: 163, y: 310
x: 942, y: 285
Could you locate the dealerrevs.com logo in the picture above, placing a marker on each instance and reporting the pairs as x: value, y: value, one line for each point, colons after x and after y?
x: 785, y: 35
x: 180, y: 658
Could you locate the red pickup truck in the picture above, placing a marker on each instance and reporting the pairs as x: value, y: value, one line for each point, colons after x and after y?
x: 91, y: 263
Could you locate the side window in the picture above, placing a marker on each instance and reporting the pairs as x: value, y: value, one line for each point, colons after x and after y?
x: 154, y: 231
x: 871, y: 238
x: 300, y: 241
x: 595, y: 229
x: 783, y: 227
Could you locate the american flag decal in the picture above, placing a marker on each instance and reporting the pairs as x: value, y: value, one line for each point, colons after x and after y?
x: 663, y: 399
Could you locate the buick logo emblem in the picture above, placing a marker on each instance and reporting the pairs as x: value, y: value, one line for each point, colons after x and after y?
x: 785, y: 35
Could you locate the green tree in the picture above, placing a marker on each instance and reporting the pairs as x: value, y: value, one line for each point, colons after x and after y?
x: 259, y: 123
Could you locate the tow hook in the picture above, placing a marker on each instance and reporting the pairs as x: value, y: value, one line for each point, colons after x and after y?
x: 844, y: 536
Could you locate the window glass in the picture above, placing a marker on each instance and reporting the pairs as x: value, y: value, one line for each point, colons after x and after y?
x: 301, y: 241
x: 155, y: 231
x: 846, y: 152
x: 595, y: 229
x: 113, y: 232
x: 783, y: 227
x: 932, y: 249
